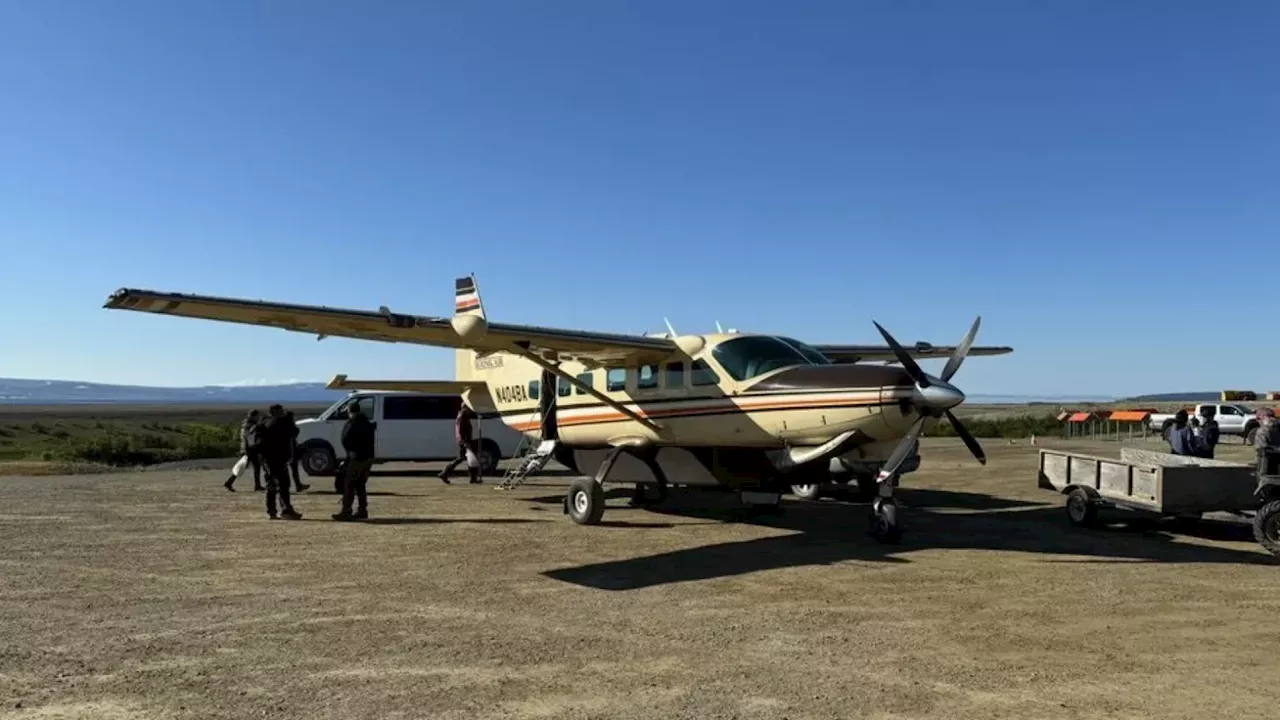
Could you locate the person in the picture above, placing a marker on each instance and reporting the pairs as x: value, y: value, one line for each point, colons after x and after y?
x: 1210, y: 433
x: 294, y: 452
x: 1266, y: 441
x: 1181, y: 439
x: 276, y: 448
x: 466, y: 447
x: 358, y: 440
x: 249, y: 455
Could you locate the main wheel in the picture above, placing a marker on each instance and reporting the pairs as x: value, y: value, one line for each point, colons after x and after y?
x: 811, y: 491
x: 1081, y: 511
x: 318, y: 460
x: 585, y: 501
x: 885, y: 527
x: 489, y: 456
x: 1266, y: 527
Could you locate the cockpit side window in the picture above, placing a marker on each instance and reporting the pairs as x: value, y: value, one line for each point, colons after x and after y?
x: 747, y: 357
x: 809, y: 352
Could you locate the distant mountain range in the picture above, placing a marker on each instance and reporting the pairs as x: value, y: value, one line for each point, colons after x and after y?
x: 68, y: 392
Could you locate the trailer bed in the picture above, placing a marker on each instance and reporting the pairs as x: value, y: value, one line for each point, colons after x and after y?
x: 1159, y: 483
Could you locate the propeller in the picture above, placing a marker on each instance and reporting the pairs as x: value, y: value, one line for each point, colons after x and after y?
x: 932, y: 398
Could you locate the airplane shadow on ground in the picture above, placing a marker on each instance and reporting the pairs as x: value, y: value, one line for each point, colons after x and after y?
x: 828, y: 532
x: 433, y: 521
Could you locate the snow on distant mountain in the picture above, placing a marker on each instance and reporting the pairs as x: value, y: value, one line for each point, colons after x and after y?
x: 62, y: 392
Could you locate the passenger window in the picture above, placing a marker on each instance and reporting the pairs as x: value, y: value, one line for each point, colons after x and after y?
x: 535, y: 389
x: 647, y: 377
x: 563, y: 388
x: 703, y: 374
x: 420, y: 407
x: 675, y: 375
x: 615, y: 379
x: 587, y: 379
x: 366, y: 403
x: 1226, y: 410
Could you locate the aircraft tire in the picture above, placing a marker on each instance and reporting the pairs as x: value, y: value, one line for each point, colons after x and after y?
x: 585, y: 501
x: 809, y: 491
x: 885, y: 525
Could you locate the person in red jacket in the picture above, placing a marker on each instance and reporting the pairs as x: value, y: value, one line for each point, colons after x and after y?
x: 466, y: 446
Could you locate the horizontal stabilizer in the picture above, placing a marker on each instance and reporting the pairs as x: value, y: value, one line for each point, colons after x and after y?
x: 450, y: 387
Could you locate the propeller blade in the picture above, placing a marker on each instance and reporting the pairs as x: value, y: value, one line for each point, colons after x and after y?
x: 905, y: 445
x: 906, y: 360
x: 953, y: 363
x: 969, y: 442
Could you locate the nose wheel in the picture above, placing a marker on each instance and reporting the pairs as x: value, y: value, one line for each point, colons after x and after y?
x: 886, y: 526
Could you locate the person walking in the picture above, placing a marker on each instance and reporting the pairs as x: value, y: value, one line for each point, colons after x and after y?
x: 276, y: 449
x: 1266, y: 441
x: 1209, y: 433
x: 462, y: 435
x: 358, y: 439
x: 1181, y: 440
x: 249, y: 452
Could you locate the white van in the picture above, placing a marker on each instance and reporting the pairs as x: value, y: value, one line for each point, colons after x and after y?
x: 411, y: 427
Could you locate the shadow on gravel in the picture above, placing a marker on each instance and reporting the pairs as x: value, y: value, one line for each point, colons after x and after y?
x: 825, y: 533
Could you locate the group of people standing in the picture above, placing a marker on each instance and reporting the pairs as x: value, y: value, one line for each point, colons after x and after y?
x: 1194, y: 436
x: 270, y: 443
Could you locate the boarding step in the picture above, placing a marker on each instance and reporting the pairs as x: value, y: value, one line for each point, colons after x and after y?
x: 530, y: 462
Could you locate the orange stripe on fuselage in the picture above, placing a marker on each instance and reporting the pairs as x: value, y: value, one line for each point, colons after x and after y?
x: 610, y: 415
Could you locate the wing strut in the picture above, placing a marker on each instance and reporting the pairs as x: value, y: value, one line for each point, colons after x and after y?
x: 522, y: 349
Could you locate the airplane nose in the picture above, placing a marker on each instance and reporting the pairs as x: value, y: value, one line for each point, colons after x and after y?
x: 939, y: 396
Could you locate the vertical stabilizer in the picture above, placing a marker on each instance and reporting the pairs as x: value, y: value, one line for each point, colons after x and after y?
x: 467, y: 297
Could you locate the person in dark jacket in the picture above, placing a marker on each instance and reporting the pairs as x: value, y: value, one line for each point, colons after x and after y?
x: 277, y: 447
x: 462, y: 435
x: 248, y: 453
x: 294, y: 452
x: 358, y: 439
x: 1181, y: 440
x: 1266, y: 441
x: 1209, y: 431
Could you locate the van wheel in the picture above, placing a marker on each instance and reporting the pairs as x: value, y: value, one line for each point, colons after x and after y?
x: 489, y: 457
x: 318, y: 460
x: 810, y: 491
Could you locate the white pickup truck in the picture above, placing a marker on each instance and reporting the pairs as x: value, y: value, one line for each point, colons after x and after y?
x: 1233, y: 419
x: 410, y: 427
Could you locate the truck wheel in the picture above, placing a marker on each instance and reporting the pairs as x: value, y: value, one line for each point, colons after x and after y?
x: 1266, y: 527
x: 1081, y: 511
x: 490, y: 455
x: 811, y: 491
x: 318, y: 460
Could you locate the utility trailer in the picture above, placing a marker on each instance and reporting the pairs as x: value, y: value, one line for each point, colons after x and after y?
x: 1155, y: 484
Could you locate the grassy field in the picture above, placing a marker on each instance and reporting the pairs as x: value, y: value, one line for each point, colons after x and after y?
x: 157, y: 595
x: 97, y: 438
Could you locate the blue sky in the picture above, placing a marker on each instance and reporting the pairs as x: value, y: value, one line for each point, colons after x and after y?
x: 605, y: 164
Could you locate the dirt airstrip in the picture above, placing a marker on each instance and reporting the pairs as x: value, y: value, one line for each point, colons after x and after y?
x: 159, y: 595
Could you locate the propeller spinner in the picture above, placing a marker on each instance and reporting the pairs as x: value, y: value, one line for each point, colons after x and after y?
x: 933, y: 397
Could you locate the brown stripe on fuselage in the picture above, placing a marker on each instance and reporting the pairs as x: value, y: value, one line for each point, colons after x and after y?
x: 719, y: 408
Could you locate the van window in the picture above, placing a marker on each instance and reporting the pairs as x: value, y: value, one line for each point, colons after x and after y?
x: 535, y: 389
x: 587, y: 379
x: 615, y: 379
x: 703, y: 374
x: 563, y: 388
x: 675, y: 375
x: 647, y: 377
x: 367, y: 404
x: 420, y: 407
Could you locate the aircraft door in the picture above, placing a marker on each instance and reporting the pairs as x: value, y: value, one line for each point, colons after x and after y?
x: 547, y: 405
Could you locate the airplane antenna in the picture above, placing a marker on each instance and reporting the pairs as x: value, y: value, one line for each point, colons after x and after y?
x: 669, y: 328
x: 718, y: 328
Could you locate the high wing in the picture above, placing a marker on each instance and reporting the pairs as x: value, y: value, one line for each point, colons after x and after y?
x: 444, y: 387
x: 591, y: 348
x: 919, y: 351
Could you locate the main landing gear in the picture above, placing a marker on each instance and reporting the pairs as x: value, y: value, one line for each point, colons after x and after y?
x: 584, y: 503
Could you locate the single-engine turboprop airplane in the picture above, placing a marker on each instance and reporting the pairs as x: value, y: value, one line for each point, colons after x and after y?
x: 752, y: 412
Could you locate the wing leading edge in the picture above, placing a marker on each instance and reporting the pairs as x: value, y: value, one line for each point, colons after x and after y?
x: 919, y: 351
x: 386, y: 326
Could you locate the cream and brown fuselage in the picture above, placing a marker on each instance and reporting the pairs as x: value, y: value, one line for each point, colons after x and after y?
x: 705, y: 419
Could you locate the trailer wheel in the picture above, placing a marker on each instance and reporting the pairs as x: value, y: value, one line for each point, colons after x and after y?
x: 1081, y: 511
x: 1266, y: 527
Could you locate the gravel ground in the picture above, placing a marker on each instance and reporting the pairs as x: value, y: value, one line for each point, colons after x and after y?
x: 159, y: 595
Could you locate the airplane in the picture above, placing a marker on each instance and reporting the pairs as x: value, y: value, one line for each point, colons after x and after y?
x: 747, y: 412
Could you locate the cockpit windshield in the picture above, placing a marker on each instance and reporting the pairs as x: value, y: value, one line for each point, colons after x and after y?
x: 809, y: 353
x: 747, y: 357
